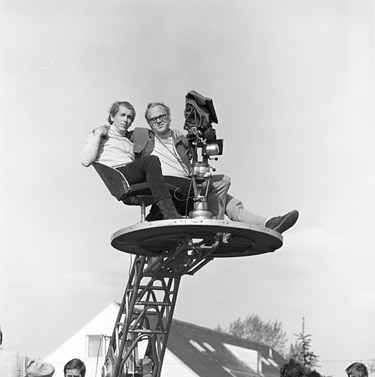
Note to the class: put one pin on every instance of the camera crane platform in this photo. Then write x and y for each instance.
(166, 250)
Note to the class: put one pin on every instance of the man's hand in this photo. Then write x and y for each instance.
(101, 131)
(177, 133)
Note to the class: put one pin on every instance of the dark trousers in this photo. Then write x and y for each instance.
(147, 169)
(185, 188)
(182, 196)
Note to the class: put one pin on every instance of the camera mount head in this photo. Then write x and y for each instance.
(199, 116)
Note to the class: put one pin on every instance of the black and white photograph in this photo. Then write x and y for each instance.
(187, 188)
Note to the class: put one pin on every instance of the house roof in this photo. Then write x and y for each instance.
(197, 350)
(211, 353)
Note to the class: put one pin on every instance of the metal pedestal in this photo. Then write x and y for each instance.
(165, 251)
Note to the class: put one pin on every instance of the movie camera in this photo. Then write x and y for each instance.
(199, 116)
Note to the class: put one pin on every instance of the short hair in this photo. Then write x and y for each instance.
(357, 370)
(115, 107)
(75, 364)
(154, 104)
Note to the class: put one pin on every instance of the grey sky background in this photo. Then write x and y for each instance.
(293, 87)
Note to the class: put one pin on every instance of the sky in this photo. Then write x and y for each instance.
(293, 87)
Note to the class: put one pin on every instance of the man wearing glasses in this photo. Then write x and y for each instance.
(173, 154)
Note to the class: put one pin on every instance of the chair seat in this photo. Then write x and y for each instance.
(140, 192)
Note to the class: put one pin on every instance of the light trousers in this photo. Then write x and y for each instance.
(221, 203)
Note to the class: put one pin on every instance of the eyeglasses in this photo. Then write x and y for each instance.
(160, 118)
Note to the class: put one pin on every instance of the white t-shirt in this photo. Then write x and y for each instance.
(171, 163)
(115, 151)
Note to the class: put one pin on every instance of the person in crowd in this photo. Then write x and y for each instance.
(19, 364)
(113, 147)
(75, 368)
(356, 370)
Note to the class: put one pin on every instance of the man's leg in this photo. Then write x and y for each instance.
(149, 169)
(183, 196)
(236, 212)
(217, 194)
(185, 188)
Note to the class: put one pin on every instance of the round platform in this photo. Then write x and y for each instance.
(240, 239)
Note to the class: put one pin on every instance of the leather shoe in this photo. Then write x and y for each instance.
(282, 223)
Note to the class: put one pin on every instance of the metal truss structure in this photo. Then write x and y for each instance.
(140, 335)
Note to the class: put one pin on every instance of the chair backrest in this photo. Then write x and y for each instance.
(134, 195)
(138, 194)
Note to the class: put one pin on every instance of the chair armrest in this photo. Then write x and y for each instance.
(115, 181)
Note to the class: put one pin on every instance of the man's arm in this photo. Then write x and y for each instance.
(91, 149)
